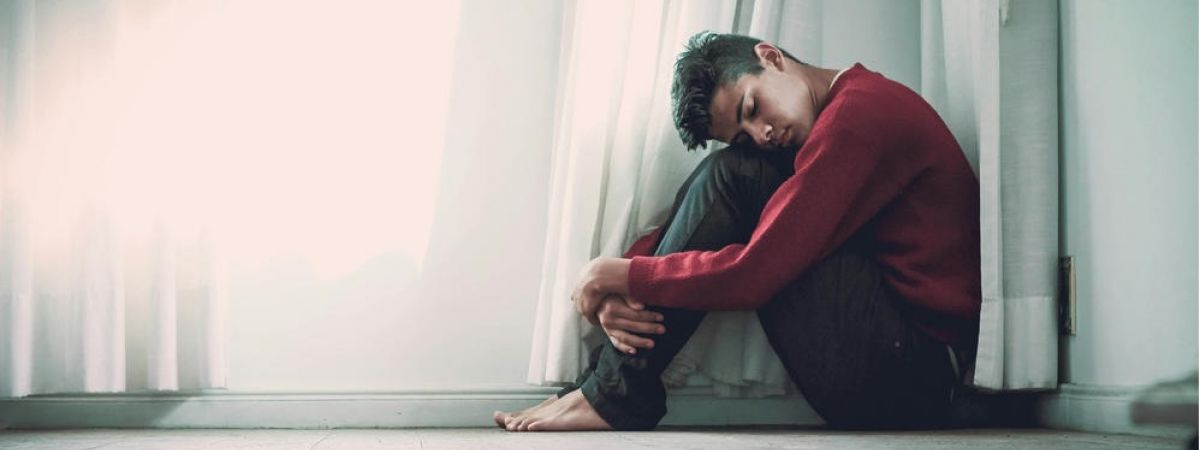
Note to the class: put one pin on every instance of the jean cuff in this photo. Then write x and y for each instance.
(609, 410)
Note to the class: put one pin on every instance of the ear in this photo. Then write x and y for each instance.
(769, 55)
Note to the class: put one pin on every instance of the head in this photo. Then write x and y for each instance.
(736, 88)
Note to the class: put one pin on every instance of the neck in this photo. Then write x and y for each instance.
(819, 81)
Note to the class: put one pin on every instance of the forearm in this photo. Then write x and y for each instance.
(609, 276)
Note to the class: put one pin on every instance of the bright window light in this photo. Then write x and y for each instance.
(288, 128)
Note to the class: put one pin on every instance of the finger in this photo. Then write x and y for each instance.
(614, 309)
(638, 327)
(624, 312)
(649, 316)
(581, 305)
(609, 304)
(631, 339)
(589, 306)
(608, 318)
(612, 297)
(636, 305)
(621, 347)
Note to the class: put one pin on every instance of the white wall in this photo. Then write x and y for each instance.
(884, 35)
(1129, 189)
(465, 318)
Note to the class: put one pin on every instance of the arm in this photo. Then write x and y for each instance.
(843, 178)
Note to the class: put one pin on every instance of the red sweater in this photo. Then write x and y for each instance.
(879, 166)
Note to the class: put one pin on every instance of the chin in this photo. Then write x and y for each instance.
(800, 139)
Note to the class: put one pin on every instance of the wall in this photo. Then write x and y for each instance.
(1129, 189)
(885, 36)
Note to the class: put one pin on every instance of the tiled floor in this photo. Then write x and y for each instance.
(466, 438)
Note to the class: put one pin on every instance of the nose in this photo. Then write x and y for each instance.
(761, 133)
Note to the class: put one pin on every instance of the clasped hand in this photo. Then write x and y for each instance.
(602, 297)
(622, 317)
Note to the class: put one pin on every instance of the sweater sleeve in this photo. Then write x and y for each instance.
(843, 178)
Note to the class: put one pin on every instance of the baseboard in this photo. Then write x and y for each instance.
(1101, 409)
(323, 410)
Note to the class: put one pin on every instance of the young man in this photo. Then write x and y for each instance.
(843, 211)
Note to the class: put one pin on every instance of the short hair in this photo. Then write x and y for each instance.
(708, 61)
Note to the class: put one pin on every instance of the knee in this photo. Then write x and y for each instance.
(731, 163)
(745, 170)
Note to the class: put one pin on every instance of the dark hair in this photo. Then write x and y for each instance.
(709, 61)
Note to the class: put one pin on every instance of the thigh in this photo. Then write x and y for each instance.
(846, 344)
(720, 202)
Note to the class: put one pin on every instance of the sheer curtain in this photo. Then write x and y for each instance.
(99, 290)
(990, 68)
(617, 164)
(618, 160)
(151, 148)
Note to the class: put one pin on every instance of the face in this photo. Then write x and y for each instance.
(774, 109)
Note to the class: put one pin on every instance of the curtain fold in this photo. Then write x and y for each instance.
(1021, 203)
(91, 299)
(990, 68)
(617, 164)
(150, 147)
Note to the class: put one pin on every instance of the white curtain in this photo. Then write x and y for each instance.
(990, 67)
(93, 296)
(618, 160)
(617, 164)
(152, 148)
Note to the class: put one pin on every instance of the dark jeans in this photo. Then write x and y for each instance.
(838, 329)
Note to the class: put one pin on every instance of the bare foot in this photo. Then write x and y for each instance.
(572, 412)
(500, 416)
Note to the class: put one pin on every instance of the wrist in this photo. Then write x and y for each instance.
(611, 275)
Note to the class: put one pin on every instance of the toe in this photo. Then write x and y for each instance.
(510, 423)
(524, 425)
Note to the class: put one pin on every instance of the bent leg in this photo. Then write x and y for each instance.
(844, 339)
(718, 205)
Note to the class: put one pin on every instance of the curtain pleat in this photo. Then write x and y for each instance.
(88, 303)
(990, 69)
(617, 165)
